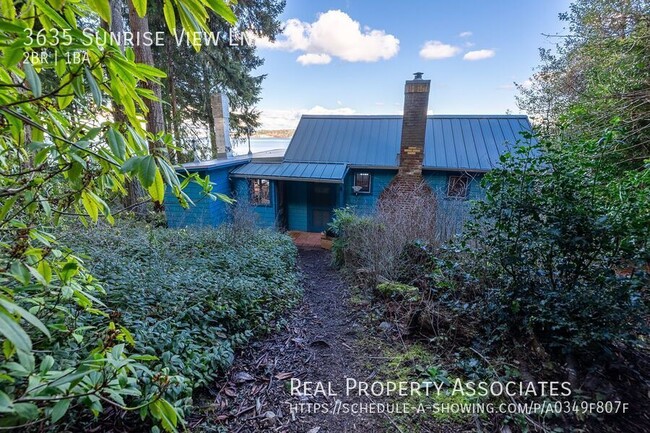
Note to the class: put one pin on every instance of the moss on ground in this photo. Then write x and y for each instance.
(391, 289)
(416, 363)
(413, 362)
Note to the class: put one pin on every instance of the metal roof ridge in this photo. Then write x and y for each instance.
(315, 162)
(268, 161)
(300, 162)
(477, 116)
(429, 116)
(296, 162)
(351, 116)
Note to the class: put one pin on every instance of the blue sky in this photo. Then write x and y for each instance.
(471, 50)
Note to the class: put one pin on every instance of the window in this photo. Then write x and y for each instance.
(260, 192)
(361, 183)
(458, 187)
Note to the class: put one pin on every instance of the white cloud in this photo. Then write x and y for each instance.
(288, 118)
(292, 38)
(322, 110)
(465, 34)
(435, 50)
(333, 34)
(479, 55)
(313, 59)
(279, 119)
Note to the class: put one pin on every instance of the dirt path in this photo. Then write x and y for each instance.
(321, 345)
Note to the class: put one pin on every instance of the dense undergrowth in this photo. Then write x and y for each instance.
(550, 280)
(189, 297)
(547, 283)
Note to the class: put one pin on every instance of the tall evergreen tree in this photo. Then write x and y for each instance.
(144, 54)
(135, 194)
(228, 67)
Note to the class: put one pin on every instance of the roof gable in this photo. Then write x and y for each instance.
(467, 142)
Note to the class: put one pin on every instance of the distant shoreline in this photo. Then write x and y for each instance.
(273, 133)
(261, 144)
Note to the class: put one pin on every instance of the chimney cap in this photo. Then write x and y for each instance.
(418, 75)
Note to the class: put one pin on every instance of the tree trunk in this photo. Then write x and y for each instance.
(173, 102)
(143, 54)
(134, 192)
(116, 27)
(207, 91)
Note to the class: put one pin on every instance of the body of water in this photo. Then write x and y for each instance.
(260, 145)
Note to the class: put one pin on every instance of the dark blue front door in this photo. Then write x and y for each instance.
(321, 199)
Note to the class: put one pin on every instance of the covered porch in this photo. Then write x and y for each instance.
(298, 197)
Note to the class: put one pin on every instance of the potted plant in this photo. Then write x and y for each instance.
(326, 239)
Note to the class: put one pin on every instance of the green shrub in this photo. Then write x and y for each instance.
(191, 296)
(349, 230)
(63, 351)
(553, 238)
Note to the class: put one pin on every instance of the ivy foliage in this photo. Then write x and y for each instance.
(190, 297)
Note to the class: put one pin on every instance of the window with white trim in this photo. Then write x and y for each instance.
(458, 187)
(362, 183)
(260, 192)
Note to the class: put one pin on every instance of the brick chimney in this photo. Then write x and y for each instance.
(221, 118)
(414, 126)
(409, 178)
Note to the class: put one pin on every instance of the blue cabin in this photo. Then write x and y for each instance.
(204, 211)
(336, 161)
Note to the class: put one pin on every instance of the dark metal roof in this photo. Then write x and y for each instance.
(453, 142)
(214, 163)
(311, 172)
(273, 155)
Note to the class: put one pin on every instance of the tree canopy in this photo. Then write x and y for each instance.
(62, 76)
(225, 66)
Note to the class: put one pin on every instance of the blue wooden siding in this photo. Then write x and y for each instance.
(438, 180)
(213, 213)
(266, 214)
(205, 211)
(364, 203)
(453, 212)
(380, 179)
